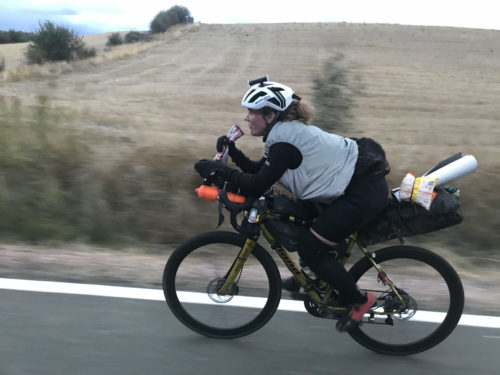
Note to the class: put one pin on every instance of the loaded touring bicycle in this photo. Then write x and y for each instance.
(225, 284)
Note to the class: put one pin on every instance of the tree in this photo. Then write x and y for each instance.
(55, 43)
(333, 95)
(136, 36)
(173, 16)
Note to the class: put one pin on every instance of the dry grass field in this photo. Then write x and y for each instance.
(424, 93)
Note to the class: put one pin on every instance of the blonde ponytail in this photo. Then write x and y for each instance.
(297, 110)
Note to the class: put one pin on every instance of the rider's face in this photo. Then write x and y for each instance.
(257, 122)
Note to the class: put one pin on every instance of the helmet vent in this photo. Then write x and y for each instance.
(257, 96)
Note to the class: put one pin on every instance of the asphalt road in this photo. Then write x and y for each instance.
(46, 333)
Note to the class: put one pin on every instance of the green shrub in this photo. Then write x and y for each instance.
(13, 36)
(55, 43)
(2, 64)
(136, 36)
(173, 16)
(4, 37)
(115, 39)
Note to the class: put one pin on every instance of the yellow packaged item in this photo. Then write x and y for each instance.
(422, 191)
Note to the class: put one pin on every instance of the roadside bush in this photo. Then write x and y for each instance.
(55, 43)
(2, 64)
(136, 36)
(40, 161)
(173, 16)
(13, 36)
(61, 182)
(4, 37)
(115, 39)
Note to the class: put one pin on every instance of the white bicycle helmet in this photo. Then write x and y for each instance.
(264, 93)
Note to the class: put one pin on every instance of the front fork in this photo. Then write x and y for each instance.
(237, 266)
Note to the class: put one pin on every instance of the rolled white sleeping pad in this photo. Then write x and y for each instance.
(455, 170)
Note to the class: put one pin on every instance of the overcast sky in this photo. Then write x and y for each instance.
(97, 16)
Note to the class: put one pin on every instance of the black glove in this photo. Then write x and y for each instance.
(209, 168)
(224, 141)
(206, 168)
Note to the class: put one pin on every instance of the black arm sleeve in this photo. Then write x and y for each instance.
(244, 163)
(282, 156)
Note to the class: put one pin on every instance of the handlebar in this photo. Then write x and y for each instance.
(231, 206)
(234, 203)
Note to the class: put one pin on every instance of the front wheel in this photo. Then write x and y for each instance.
(422, 311)
(197, 269)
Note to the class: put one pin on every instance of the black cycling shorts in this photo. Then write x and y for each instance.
(347, 214)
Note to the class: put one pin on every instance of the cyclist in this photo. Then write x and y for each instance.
(342, 176)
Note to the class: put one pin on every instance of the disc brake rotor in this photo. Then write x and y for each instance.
(410, 310)
(213, 288)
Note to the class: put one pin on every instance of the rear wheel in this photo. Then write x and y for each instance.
(196, 270)
(427, 310)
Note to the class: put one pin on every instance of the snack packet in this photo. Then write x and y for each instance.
(234, 133)
(423, 190)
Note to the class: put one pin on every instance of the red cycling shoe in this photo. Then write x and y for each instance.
(354, 315)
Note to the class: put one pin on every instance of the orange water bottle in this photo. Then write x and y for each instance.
(210, 193)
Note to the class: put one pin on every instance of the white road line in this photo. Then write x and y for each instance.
(239, 301)
(83, 289)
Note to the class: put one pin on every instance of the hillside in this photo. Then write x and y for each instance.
(425, 93)
(418, 82)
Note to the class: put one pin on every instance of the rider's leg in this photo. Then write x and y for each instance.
(316, 254)
(359, 204)
(350, 212)
(334, 250)
(347, 214)
(327, 268)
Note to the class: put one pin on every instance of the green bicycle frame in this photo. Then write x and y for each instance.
(323, 299)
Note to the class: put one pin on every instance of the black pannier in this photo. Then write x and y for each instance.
(407, 219)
